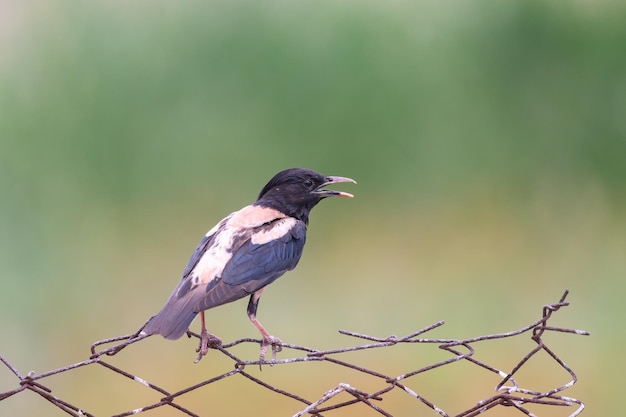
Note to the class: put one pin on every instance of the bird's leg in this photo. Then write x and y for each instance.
(268, 340)
(203, 348)
(206, 338)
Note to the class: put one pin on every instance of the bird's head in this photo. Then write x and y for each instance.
(296, 191)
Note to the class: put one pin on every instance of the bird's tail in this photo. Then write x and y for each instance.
(171, 322)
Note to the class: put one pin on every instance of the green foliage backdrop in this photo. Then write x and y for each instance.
(488, 139)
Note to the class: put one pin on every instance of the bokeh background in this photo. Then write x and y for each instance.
(488, 139)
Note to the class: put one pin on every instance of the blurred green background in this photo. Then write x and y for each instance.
(488, 139)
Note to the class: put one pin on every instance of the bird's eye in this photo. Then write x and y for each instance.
(308, 183)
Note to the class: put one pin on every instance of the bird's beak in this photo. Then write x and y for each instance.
(333, 193)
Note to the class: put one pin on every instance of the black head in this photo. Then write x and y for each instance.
(296, 191)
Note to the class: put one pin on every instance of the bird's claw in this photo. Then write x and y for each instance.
(276, 345)
(207, 340)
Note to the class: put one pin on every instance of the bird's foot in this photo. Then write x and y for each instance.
(207, 340)
(268, 341)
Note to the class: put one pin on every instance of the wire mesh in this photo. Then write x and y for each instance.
(508, 392)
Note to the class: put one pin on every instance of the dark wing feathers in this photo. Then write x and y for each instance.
(260, 262)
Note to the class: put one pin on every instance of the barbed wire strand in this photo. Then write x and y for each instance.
(508, 392)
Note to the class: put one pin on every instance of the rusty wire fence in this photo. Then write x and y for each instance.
(345, 396)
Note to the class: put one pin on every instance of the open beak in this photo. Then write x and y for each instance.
(333, 193)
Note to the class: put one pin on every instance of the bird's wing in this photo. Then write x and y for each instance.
(268, 253)
(264, 255)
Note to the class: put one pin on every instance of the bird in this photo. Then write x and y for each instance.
(244, 253)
